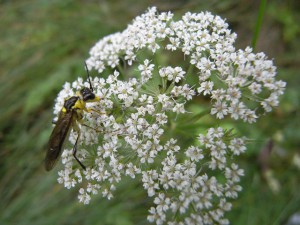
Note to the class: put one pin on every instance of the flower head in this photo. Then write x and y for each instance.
(136, 118)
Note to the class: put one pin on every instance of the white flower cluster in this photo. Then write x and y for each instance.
(134, 120)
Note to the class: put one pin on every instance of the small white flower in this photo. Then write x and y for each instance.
(249, 116)
(220, 108)
(171, 73)
(270, 102)
(237, 146)
(165, 101)
(234, 173)
(194, 153)
(146, 70)
(255, 88)
(206, 87)
(236, 110)
(218, 94)
(233, 95)
(179, 108)
(174, 44)
(149, 182)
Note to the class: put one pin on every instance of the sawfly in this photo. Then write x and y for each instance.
(69, 117)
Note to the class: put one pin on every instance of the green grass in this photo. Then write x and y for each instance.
(261, 13)
(44, 44)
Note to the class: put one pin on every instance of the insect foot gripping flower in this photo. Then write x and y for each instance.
(157, 79)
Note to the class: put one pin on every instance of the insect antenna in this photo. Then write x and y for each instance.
(89, 77)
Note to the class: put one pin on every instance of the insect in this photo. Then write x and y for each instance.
(70, 116)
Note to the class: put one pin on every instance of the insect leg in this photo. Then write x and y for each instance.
(95, 129)
(75, 151)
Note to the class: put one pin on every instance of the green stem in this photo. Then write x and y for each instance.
(122, 72)
(190, 70)
(198, 116)
(164, 84)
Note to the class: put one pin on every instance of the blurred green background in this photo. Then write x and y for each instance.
(44, 44)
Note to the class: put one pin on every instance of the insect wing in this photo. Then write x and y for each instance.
(57, 139)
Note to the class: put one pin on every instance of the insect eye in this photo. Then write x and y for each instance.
(87, 94)
(69, 103)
